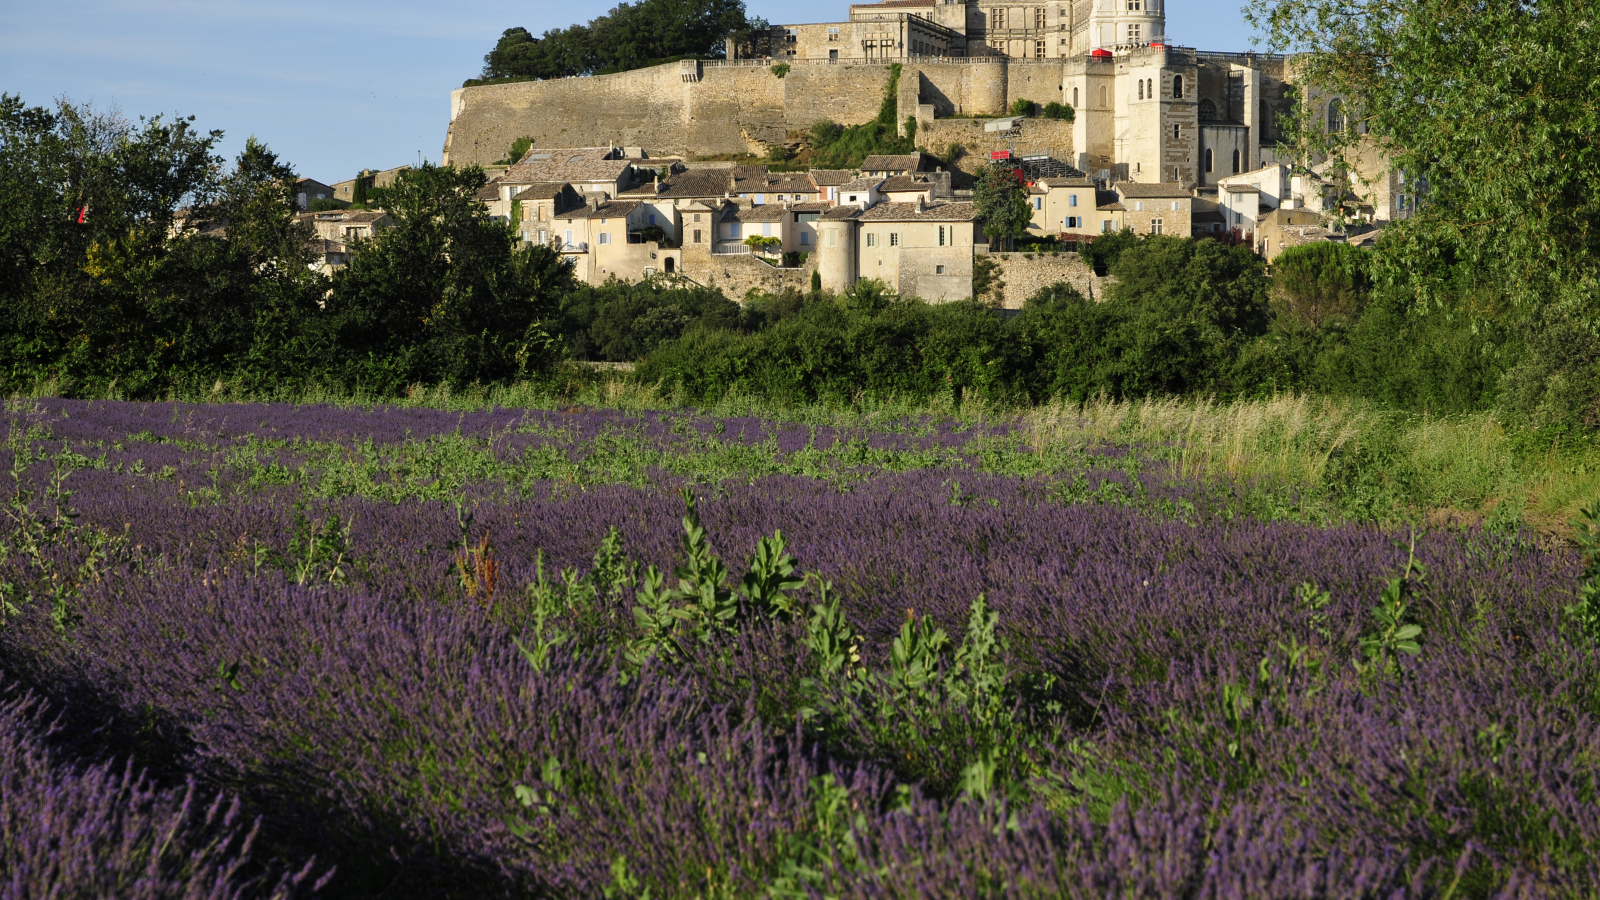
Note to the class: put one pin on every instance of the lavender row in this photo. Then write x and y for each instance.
(106, 830)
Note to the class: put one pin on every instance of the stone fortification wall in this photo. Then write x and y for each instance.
(1038, 136)
(736, 276)
(713, 108)
(1025, 274)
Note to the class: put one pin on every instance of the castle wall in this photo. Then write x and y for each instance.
(1026, 274)
(1051, 136)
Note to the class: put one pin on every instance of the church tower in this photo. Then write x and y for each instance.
(1118, 23)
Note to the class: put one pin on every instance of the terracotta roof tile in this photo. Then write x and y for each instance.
(1157, 191)
(933, 212)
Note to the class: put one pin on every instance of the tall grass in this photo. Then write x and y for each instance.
(1369, 461)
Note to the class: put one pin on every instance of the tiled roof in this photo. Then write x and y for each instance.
(1160, 190)
(892, 4)
(696, 183)
(1079, 181)
(866, 183)
(832, 177)
(1240, 188)
(544, 190)
(794, 182)
(933, 212)
(1208, 217)
(842, 212)
(770, 212)
(811, 207)
(905, 183)
(1107, 200)
(611, 209)
(573, 164)
(909, 162)
(346, 216)
(490, 191)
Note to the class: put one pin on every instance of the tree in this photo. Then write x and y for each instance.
(630, 36)
(1318, 284)
(446, 294)
(1484, 108)
(358, 191)
(1001, 198)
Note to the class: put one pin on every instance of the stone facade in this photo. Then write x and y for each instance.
(1026, 274)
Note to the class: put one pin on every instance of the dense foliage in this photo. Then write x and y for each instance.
(1487, 110)
(132, 260)
(477, 654)
(833, 146)
(631, 36)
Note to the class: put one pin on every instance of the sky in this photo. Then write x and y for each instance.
(338, 85)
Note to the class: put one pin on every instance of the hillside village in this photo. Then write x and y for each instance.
(1155, 139)
(624, 213)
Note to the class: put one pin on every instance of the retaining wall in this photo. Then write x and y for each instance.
(710, 108)
(1025, 274)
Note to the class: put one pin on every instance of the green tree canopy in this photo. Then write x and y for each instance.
(1489, 110)
(1002, 201)
(446, 294)
(631, 35)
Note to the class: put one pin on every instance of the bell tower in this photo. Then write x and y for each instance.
(1117, 23)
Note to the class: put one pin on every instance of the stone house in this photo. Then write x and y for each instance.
(740, 223)
(308, 189)
(1244, 198)
(919, 249)
(1156, 208)
(828, 182)
(861, 191)
(346, 225)
(906, 189)
(345, 190)
(537, 206)
(602, 240)
(1110, 216)
(1064, 206)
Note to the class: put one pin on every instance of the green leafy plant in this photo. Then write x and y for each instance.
(1394, 633)
(1584, 615)
(779, 70)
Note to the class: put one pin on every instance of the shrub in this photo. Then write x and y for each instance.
(1062, 111)
(1021, 107)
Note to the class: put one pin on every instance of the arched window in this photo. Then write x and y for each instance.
(1235, 162)
(1177, 88)
(1150, 88)
(1105, 96)
(1336, 121)
(1074, 98)
(1209, 160)
(1141, 90)
(1208, 111)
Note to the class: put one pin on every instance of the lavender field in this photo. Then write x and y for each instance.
(278, 651)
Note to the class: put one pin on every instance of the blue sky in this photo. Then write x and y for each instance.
(338, 85)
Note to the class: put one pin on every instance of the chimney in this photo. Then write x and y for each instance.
(594, 203)
(920, 207)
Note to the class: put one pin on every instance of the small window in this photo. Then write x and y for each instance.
(1038, 49)
(833, 238)
(1209, 160)
(697, 238)
(872, 239)
(942, 239)
(1174, 203)
(1236, 160)
(1336, 118)
(1072, 199)
(1177, 132)
(938, 270)
(1105, 226)
(697, 217)
(652, 218)
(1038, 203)
(1177, 88)
(894, 239)
(1138, 206)
(1155, 226)
(569, 239)
(805, 239)
(605, 237)
(1074, 98)
(1141, 89)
